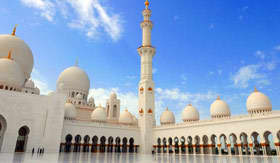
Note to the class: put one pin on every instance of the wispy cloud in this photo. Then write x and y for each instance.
(46, 7)
(89, 16)
(260, 54)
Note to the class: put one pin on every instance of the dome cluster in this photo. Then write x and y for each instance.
(257, 103)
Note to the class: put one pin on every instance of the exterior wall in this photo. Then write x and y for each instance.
(236, 125)
(84, 128)
(84, 113)
(43, 115)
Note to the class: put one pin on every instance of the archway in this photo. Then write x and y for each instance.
(190, 145)
(233, 144)
(223, 143)
(269, 143)
(158, 145)
(68, 143)
(197, 144)
(110, 144)
(131, 145)
(164, 141)
(214, 144)
(118, 145)
(94, 144)
(3, 127)
(86, 144)
(205, 144)
(257, 149)
(124, 145)
(244, 143)
(77, 144)
(183, 148)
(176, 141)
(170, 145)
(22, 139)
(102, 144)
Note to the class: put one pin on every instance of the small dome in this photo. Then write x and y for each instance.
(167, 117)
(37, 91)
(29, 84)
(258, 102)
(21, 52)
(113, 95)
(99, 114)
(51, 93)
(91, 100)
(126, 117)
(219, 109)
(70, 111)
(73, 78)
(11, 73)
(79, 96)
(190, 113)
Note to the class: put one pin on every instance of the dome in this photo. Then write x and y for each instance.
(190, 113)
(99, 114)
(70, 111)
(37, 90)
(91, 100)
(21, 52)
(79, 96)
(73, 78)
(11, 74)
(258, 102)
(29, 84)
(167, 117)
(219, 109)
(126, 117)
(113, 95)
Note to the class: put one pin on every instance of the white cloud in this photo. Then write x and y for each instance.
(46, 7)
(277, 47)
(260, 54)
(271, 66)
(40, 82)
(246, 74)
(88, 16)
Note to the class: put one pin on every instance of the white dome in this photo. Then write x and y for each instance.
(167, 117)
(70, 111)
(37, 90)
(91, 100)
(11, 73)
(29, 84)
(113, 95)
(20, 50)
(190, 113)
(219, 109)
(258, 102)
(73, 78)
(99, 114)
(79, 96)
(126, 117)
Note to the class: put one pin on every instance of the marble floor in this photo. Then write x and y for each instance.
(129, 158)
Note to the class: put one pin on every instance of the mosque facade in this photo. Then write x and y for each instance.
(67, 120)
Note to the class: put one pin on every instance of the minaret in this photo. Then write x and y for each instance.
(146, 101)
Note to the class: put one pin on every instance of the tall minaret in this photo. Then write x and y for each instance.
(146, 101)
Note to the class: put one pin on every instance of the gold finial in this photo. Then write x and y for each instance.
(9, 55)
(189, 104)
(166, 108)
(14, 30)
(218, 98)
(147, 4)
(255, 90)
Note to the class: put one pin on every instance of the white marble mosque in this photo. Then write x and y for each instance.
(68, 121)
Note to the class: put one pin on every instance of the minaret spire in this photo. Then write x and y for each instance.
(146, 98)
(14, 30)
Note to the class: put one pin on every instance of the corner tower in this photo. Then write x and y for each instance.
(146, 101)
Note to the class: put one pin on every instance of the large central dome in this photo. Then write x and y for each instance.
(21, 52)
(73, 78)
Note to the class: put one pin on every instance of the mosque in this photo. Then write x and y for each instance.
(67, 120)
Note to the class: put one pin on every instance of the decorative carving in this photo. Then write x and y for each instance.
(150, 89)
(141, 111)
(150, 111)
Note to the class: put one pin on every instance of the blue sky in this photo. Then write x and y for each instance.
(204, 48)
